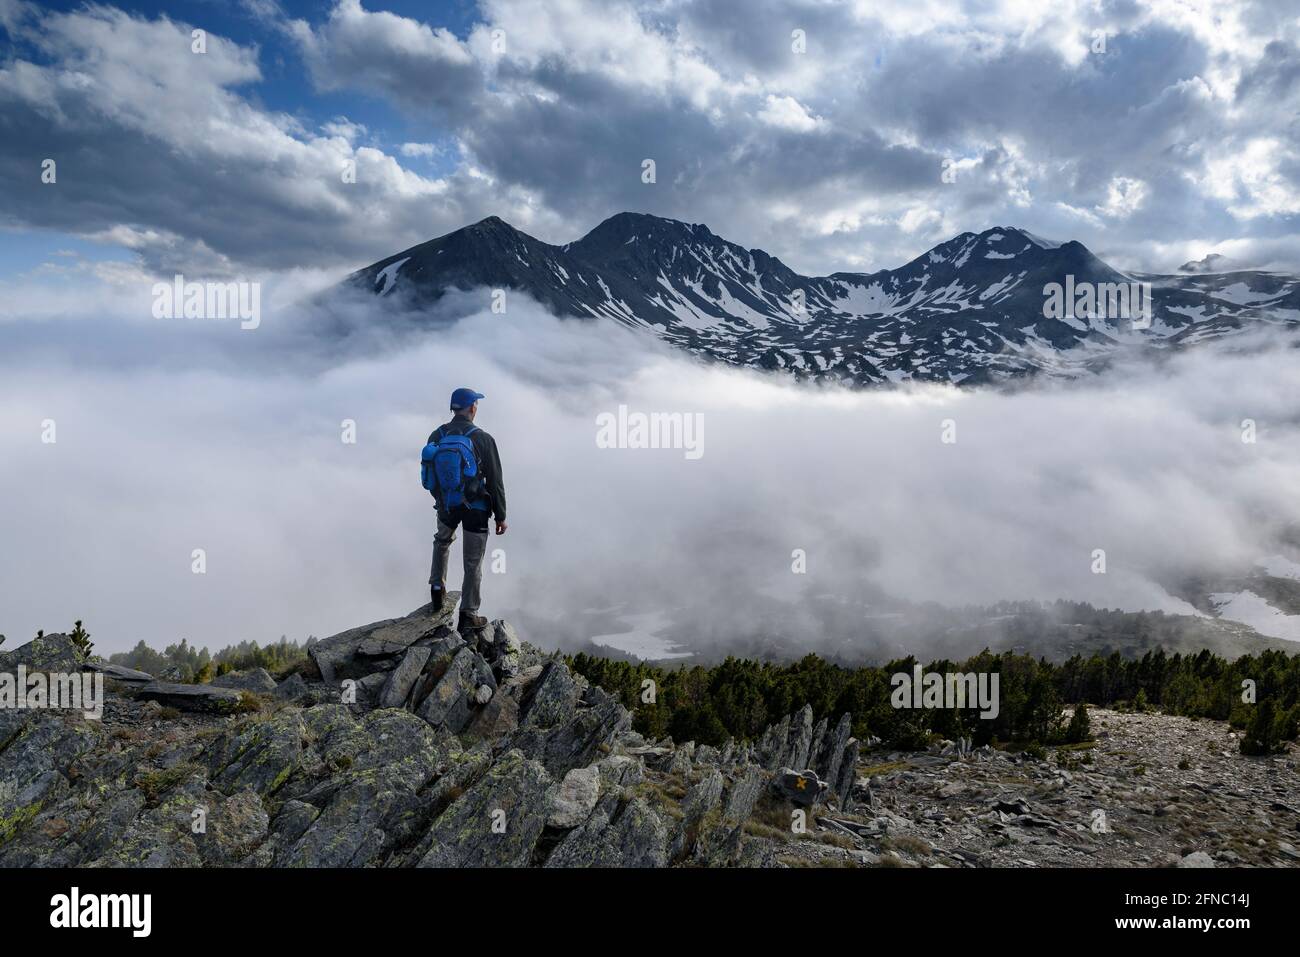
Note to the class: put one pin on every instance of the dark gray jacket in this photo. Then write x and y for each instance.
(489, 461)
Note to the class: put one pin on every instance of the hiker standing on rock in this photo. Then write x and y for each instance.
(461, 468)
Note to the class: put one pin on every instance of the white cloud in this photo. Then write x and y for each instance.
(424, 62)
(1124, 197)
(424, 150)
(1249, 180)
(785, 112)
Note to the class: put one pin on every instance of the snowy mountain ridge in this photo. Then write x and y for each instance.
(971, 310)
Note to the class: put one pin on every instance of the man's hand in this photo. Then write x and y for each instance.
(501, 528)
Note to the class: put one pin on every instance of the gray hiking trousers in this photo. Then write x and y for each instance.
(474, 548)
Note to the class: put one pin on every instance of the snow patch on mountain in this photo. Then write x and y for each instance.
(1250, 609)
(386, 281)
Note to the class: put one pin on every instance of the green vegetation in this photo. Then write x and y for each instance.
(739, 698)
(15, 822)
(278, 657)
(248, 703)
(81, 638)
(185, 663)
(1080, 728)
(154, 784)
(1268, 728)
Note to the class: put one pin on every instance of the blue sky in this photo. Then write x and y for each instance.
(285, 87)
(1153, 131)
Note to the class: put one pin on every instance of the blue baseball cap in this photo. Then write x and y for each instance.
(464, 398)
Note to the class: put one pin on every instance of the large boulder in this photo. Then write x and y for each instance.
(494, 720)
(817, 753)
(162, 835)
(743, 795)
(575, 798)
(39, 748)
(803, 788)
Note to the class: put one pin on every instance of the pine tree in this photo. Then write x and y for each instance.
(1259, 737)
(81, 638)
(1080, 728)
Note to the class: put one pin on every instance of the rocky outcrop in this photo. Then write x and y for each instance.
(255, 679)
(365, 650)
(400, 744)
(811, 760)
(46, 653)
(426, 750)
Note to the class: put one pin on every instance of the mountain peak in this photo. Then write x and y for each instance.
(1021, 233)
(626, 225)
(494, 225)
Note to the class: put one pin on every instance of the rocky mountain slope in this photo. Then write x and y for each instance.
(1154, 791)
(405, 744)
(970, 310)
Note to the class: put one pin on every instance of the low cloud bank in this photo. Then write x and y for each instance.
(173, 437)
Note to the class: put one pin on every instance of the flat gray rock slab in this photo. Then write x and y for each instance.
(190, 697)
(118, 673)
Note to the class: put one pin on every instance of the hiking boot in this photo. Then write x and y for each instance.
(438, 596)
(470, 622)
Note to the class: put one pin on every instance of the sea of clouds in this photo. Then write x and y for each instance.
(176, 435)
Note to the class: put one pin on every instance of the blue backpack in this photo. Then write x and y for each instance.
(449, 468)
